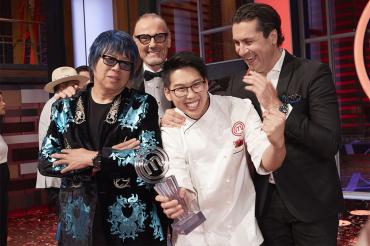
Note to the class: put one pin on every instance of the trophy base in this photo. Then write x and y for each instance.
(188, 224)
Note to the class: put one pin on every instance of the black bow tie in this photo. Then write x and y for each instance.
(150, 75)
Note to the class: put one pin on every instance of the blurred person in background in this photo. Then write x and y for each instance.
(84, 71)
(62, 77)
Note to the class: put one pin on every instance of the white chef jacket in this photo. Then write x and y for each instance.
(3, 151)
(41, 180)
(207, 156)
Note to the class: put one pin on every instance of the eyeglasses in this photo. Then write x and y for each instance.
(111, 61)
(183, 91)
(146, 38)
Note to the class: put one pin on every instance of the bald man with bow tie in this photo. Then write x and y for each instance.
(153, 40)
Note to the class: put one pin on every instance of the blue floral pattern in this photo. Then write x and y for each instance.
(127, 226)
(131, 118)
(64, 117)
(156, 225)
(148, 142)
(76, 218)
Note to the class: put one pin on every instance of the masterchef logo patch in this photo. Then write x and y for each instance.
(238, 128)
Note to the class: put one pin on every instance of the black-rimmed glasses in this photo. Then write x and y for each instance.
(146, 38)
(183, 91)
(111, 61)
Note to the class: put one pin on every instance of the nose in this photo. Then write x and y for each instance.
(242, 50)
(152, 42)
(116, 67)
(191, 93)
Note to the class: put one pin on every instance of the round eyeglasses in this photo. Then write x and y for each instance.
(146, 38)
(183, 91)
(111, 61)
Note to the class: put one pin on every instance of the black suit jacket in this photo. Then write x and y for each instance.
(308, 180)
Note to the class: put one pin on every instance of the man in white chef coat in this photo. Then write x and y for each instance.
(208, 158)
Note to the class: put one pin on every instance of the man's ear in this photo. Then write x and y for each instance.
(206, 84)
(169, 40)
(273, 37)
(167, 94)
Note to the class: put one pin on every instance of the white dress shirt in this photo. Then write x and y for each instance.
(155, 88)
(208, 157)
(3, 151)
(43, 181)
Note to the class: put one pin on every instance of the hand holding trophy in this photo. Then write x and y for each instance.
(152, 169)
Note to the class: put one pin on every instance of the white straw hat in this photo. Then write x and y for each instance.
(61, 75)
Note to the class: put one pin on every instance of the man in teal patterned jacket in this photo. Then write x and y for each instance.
(92, 143)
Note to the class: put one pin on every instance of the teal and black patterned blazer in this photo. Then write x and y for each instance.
(128, 212)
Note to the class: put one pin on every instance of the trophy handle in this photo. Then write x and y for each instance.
(187, 221)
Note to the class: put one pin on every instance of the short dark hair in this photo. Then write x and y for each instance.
(113, 41)
(82, 68)
(181, 60)
(267, 17)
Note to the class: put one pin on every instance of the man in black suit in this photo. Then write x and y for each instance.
(153, 40)
(299, 203)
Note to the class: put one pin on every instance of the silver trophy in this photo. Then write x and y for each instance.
(152, 169)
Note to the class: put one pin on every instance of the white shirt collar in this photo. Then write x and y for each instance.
(274, 73)
(146, 67)
(279, 63)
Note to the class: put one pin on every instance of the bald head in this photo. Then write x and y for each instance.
(153, 29)
(151, 16)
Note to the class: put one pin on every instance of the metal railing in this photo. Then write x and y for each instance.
(22, 42)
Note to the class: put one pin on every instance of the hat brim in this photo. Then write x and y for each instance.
(49, 87)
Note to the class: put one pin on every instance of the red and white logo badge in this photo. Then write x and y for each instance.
(238, 128)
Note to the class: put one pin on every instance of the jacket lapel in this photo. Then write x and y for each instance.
(286, 74)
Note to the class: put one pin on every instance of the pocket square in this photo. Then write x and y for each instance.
(290, 99)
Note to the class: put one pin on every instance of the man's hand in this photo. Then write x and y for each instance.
(171, 118)
(74, 159)
(273, 126)
(129, 144)
(262, 88)
(171, 208)
(66, 92)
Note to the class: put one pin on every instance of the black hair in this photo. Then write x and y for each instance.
(82, 68)
(267, 17)
(111, 42)
(181, 60)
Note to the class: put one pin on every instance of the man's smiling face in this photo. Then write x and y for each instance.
(153, 54)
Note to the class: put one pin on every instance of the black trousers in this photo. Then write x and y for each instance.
(4, 200)
(280, 227)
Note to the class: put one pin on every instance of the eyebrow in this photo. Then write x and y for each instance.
(192, 82)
